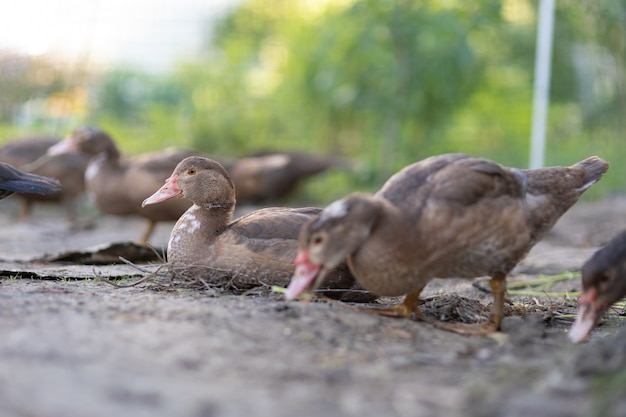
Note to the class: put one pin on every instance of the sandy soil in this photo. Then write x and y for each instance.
(77, 346)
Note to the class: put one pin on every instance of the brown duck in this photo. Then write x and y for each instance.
(255, 249)
(270, 177)
(29, 154)
(604, 284)
(447, 216)
(118, 185)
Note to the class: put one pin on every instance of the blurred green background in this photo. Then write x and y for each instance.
(382, 83)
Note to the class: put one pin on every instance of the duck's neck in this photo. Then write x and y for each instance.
(197, 228)
(112, 153)
(389, 244)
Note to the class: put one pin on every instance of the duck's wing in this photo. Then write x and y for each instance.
(272, 235)
(470, 180)
(275, 223)
(454, 181)
(267, 236)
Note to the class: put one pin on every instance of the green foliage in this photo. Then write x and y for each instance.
(384, 72)
(143, 112)
(129, 95)
(374, 80)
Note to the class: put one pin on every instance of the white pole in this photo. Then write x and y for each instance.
(543, 55)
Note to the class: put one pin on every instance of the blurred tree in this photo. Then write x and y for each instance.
(141, 111)
(126, 94)
(600, 59)
(383, 82)
(391, 72)
(341, 76)
(23, 78)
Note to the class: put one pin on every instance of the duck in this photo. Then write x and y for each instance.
(269, 177)
(447, 216)
(13, 180)
(603, 284)
(253, 250)
(117, 185)
(29, 154)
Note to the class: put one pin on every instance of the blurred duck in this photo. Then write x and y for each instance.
(12, 180)
(206, 242)
(447, 216)
(271, 177)
(117, 184)
(29, 154)
(604, 284)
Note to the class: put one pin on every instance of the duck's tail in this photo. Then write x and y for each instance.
(561, 181)
(593, 168)
(551, 191)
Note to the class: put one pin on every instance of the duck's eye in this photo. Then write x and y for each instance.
(191, 171)
(604, 280)
(318, 240)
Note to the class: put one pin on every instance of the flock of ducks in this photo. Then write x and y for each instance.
(447, 216)
(89, 160)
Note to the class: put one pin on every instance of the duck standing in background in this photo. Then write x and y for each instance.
(29, 154)
(255, 249)
(604, 284)
(118, 185)
(12, 180)
(447, 216)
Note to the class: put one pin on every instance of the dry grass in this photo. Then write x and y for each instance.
(543, 295)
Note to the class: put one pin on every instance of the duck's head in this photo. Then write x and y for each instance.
(202, 180)
(88, 140)
(604, 284)
(329, 239)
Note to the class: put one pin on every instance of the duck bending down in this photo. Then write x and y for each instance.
(255, 249)
(13, 180)
(604, 284)
(118, 185)
(447, 216)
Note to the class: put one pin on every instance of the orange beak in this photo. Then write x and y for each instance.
(169, 190)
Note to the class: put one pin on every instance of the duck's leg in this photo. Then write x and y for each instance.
(144, 239)
(402, 310)
(26, 210)
(498, 288)
(70, 210)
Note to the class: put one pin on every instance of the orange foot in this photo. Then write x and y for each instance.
(483, 329)
(403, 310)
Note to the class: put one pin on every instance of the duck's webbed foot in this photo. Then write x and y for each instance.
(403, 310)
(498, 287)
(481, 329)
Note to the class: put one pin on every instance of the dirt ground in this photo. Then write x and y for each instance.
(77, 346)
